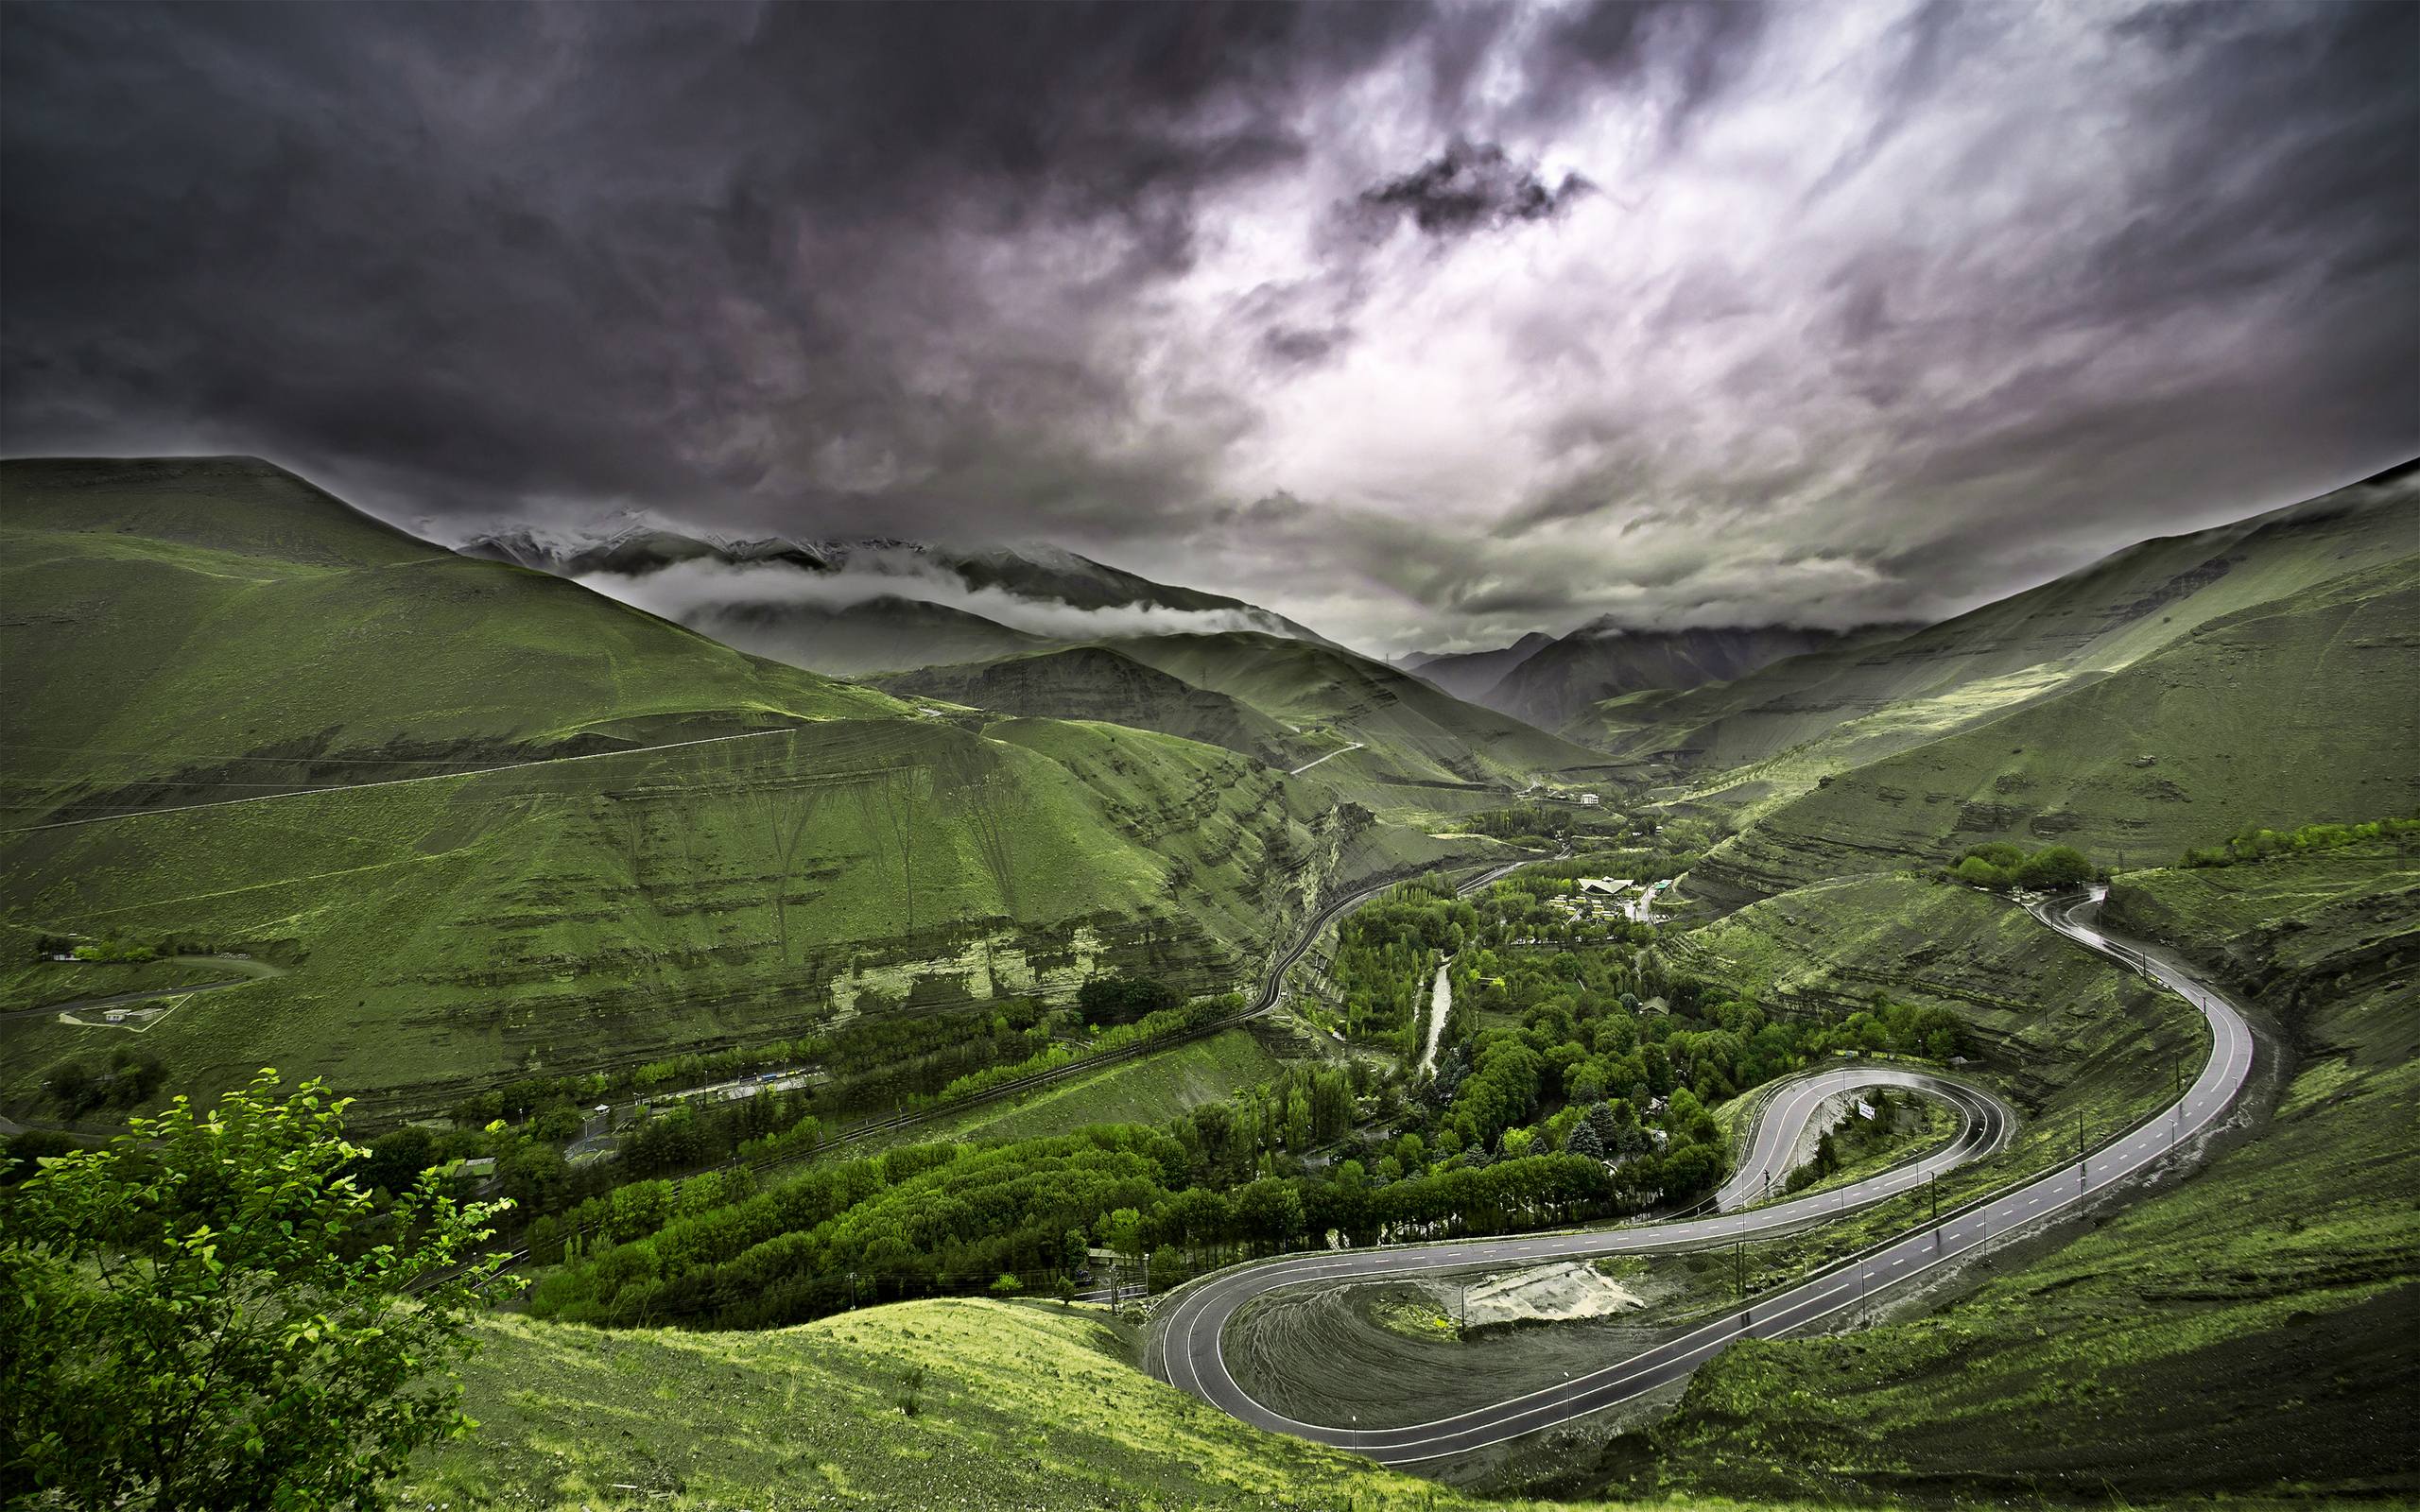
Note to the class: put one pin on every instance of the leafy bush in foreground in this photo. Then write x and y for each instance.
(210, 1313)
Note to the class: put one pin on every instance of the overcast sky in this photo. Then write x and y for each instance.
(1424, 326)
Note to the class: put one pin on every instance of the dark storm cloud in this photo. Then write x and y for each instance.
(1687, 50)
(1473, 185)
(1877, 308)
(491, 252)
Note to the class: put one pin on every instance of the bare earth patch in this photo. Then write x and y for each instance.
(1559, 1293)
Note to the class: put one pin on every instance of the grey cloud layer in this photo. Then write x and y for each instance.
(1418, 325)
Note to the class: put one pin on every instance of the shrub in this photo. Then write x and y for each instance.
(2055, 868)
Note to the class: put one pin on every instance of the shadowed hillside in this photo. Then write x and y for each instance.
(1559, 682)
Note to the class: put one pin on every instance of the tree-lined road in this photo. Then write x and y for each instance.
(1185, 1344)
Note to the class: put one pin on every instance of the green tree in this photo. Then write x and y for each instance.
(210, 1313)
(1976, 872)
(2053, 868)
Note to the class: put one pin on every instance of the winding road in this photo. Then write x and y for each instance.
(1984, 1124)
(1185, 1346)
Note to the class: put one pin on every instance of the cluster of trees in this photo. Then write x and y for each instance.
(882, 1060)
(2255, 844)
(1385, 953)
(1542, 824)
(1610, 1034)
(1109, 1000)
(2000, 865)
(532, 1173)
(113, 950)
(1053, 1053)
(934, 1218)
(129, 1078)
(1577, 1086)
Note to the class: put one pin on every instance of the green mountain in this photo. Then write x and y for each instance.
(1094, 682)
(2298, 708)
(1781, 728)
(1468, 675)
(199, 628)
(481, 822)
(1558, 683)
(876, 635)
(1382, 735)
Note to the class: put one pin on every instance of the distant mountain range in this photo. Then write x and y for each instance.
(848, 607)
(1550, 680)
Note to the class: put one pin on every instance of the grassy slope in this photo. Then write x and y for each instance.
(2055, 1027)
(1021, 1406)
(1148, 1090)
(179, 624)
(182, 621)
(2298, 708)
(486, 926)
(1411, 732)
(2245, 1332)
(1094, 682)
(1778, 731)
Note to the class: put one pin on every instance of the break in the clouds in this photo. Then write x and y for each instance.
(1424, 325)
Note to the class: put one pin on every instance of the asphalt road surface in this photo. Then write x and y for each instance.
(1185, 1346)
(1985, 1123)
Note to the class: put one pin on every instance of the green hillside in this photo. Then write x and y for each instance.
(961, 1404)
(737, 852)
(2302, 707)
(188, 630)
(2056, 1029)
(1094, 682)
(1412, 735)
(1780, 729)
(875, 636)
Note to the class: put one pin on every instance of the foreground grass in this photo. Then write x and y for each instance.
(1015, 1406)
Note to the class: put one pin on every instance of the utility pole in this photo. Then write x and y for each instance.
(1932, 1184)
(1739, 1270)
(2079, 1170)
